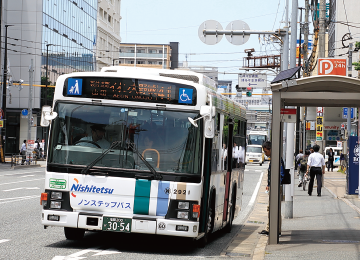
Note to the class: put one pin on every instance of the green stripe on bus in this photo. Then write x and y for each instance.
(142, 197)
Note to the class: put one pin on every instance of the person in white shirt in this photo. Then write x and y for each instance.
(316, 166)
(235, 156)
(96, 139)
(224, 157)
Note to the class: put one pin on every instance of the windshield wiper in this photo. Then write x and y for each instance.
(90, 165)
(157, 176)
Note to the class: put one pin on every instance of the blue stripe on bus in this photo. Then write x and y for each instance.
(163, 198)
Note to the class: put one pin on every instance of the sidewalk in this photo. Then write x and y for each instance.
(7, 164)
(325, 227)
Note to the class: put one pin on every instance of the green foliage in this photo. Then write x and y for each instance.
(357, 65)
(357, 45)
(50, 92)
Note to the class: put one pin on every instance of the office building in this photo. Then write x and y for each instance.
(159, 56)
(62, 33)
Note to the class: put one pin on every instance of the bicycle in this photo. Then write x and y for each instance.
(306, 179)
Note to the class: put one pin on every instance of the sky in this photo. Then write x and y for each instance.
(161, 22)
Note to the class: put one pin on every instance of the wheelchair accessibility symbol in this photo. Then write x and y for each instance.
(185, 95)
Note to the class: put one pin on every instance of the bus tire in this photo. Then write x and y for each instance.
(260, 164)
(74, 233)
(229, 225)
(202, 242)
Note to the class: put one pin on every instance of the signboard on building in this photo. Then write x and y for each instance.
(331, 66)
(254, 80)
(319, 128)
(2, 124)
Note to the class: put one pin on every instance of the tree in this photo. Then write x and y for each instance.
(357, 64)
(50, 95)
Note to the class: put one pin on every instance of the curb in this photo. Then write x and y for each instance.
(248, 242)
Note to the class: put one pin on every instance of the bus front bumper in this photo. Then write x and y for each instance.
(139, 224)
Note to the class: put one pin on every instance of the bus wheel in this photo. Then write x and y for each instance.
(228, 227)
(208, 228)
(74, 233)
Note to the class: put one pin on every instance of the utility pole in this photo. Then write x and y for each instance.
(306, 33)
(322, 27)
(289, 163)
(31, 80)
(3, 140)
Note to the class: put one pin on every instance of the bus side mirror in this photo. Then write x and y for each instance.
(47, 115)
(208, 113)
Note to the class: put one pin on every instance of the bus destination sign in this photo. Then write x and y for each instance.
(128, 89)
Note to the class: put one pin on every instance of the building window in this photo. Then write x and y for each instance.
(160, 51)
(160, 62)
(140, 62)
(140, 51)
(109, 19)
(105, 15)
(101, 12)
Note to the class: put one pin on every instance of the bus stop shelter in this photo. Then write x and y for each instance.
(316, 91)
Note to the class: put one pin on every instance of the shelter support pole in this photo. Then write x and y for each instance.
(289, 165)
(275, 170)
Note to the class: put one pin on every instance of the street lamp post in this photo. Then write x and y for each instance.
(4, 92)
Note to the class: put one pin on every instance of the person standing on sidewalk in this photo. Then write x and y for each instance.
(330, 163)
(316, 166)
(267, 150)
(23, 152)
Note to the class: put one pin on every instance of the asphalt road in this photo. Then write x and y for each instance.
(23, 237)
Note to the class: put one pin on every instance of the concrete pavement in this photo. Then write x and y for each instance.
(325, 227)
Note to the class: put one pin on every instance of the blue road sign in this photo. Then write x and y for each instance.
(345, 113)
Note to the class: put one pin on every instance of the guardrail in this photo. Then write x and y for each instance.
(20, 159)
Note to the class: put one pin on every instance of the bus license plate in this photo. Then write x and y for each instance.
(250, 160)
(116, 224)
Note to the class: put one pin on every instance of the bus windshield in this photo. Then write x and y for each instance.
(253, 149)
(165, 139)
(257, 139)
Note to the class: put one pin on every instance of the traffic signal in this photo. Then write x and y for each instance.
(249, 91)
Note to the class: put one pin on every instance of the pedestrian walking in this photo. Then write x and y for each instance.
(316, 167)
(23, 152)
(297, 160)
(342, 161)
(303, 167)
(330, 162)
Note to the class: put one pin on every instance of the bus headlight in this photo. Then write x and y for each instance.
(183, 214)
(55, 204)
(183, 205)
(56, 195)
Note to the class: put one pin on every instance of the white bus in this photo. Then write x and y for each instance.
(257, 137)
(140, 151)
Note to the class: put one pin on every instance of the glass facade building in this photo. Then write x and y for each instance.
(69, 30)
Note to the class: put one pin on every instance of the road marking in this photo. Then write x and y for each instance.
(8, 200)
(19, 173)
(78, 255)
(21, 181)
(4, 240)
(251, 202)
(26, 188)
(26, 176)
(246, 170)
(108, 252)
